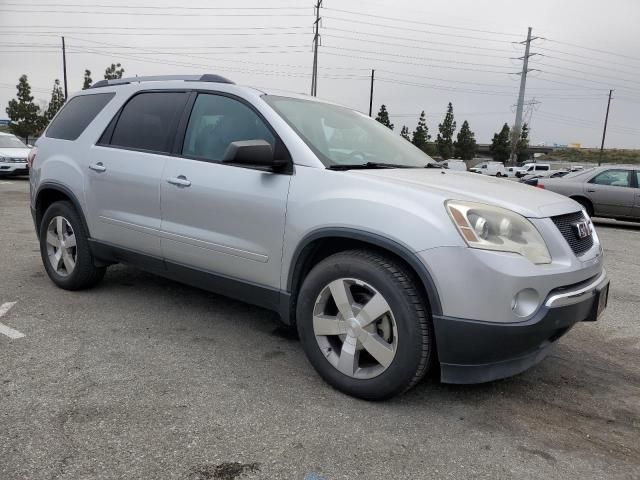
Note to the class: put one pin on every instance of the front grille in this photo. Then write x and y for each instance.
(566, 225)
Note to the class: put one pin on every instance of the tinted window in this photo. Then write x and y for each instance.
(542, 167)
(637, 178)
(76, 115)
(216, 121)
(613, 178)
(147, 121)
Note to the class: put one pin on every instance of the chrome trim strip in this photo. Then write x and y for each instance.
(576, 296)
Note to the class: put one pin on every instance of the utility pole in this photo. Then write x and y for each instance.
(604, 131)
(371, 93)
(517, 127)
(64, 68)
(316, 41)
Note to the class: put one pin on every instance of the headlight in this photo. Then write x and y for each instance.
(494, 228)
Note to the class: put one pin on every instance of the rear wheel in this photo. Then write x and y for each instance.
(65, 250)
(364, 325)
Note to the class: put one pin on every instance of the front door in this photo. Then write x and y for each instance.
(123, 184)
(611, 193)
(219, 218)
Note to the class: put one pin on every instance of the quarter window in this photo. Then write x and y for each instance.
(147, 121)
(613, 178)
(76, 115)
(216, 121)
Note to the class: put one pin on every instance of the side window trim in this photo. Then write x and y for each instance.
(110, 129)
(280, 146)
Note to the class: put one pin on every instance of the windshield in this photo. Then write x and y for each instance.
(340, 136)
(7, 141)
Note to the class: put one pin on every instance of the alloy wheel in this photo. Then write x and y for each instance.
(61, 246)
(355, 328)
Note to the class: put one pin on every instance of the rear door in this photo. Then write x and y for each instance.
(220, 218)
(123, 185)
(636, 205)
(611, 192)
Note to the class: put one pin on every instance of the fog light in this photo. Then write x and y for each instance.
(525, 302)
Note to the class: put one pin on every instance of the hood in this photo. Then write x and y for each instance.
(526, 200)
(14, 152)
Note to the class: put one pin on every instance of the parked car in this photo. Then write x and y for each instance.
(459, 165)
(321, 214)
(490, 168)
(13, 155)
(532, 179)
(609, 191)
(529, 168)
(513, 171)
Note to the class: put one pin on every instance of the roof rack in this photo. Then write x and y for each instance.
(207, 77)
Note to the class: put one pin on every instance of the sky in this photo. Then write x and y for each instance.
(425, 54)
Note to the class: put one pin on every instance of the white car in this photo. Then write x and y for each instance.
(460, 165)
(513, 171)
(531, 168)
(490, 168)
(13, 155)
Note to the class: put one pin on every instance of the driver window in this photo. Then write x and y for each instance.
(612, 178)
(216, 121)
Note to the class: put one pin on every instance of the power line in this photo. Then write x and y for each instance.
(607, 52)
(417, 22)
(145, 14)
(151, 7)
(411, 57)
(420, 40)
(406, 29)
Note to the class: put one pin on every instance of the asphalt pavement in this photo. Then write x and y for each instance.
(144, 378)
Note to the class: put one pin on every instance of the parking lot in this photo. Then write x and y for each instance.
(142, 377)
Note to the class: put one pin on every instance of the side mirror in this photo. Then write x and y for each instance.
(256, 154)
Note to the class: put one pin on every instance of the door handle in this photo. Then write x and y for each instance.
(590, 191)
(98, 167)
(180, 181)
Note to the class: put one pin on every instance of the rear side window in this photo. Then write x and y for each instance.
(613, 178)
(147, 121)
(544, 168)
(76, 115)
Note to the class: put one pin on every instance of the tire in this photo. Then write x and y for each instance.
(405, 329)
(586, 203)
(80, 272)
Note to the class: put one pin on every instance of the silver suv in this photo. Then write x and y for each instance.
(386, 268)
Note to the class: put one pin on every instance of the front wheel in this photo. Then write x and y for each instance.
(364, 325)
(65, 249)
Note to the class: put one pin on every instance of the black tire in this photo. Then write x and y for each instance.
(586, 203)
(85, 274)
(416, 348)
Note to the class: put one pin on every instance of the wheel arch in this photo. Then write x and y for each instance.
(582, 200)
(50, 192)
(320, 244)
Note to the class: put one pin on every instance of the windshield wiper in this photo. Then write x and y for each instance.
(350, 166)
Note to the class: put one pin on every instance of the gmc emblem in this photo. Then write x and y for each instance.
(582, 229)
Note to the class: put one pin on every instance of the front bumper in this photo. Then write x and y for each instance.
(473, 351)
(13, 169)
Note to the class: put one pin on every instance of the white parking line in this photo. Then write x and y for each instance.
(6, 183)
(8, 331)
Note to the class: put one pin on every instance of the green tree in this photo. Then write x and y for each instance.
(404, 133)
(522, 147)
(87, 79)
(383, 117)
(501, 144)
(25, 117)
(113, 72)
(444, 140)
(56, 102)
(420, 135)
(465, 145)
